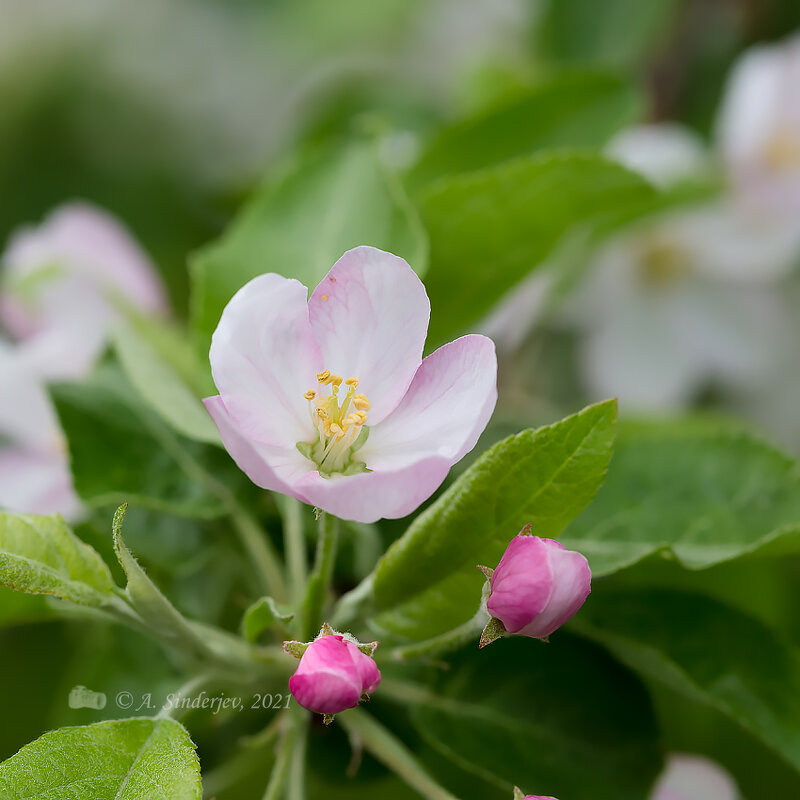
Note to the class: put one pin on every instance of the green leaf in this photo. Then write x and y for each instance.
(162, 388)
(491, 228)
(707, 651)
(41, 555)
(571, 31)
(329, 202)
(427, 583)
(132, 759)
(569, 110)
(525, 713)
(261, 616)
(701, 492)
(122, 452)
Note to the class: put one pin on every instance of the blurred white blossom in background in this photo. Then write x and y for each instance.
(688, 777)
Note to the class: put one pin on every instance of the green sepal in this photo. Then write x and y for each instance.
(493, 631)
(306, 448)
(355, 468)
(368, 648)
(296, 649)
(487, 571)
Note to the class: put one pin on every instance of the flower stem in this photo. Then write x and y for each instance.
(294, 544)
(297, 769)
(280, 772)
(350, 604)
(389, 750)
(445, 642)
(260, 551)
(320, 580)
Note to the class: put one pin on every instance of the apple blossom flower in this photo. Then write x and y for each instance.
(689, 777)
(758, 127)
(34, 470)
(683, 299)
(62, 284)
(328, 400)
(537, 586)
(334, 674)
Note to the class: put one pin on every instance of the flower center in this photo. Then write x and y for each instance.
(782, 151)
(339, 417)
(662, 264)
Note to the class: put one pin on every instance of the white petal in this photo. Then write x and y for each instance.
(264, 357)
(370, 316)
(447, 406)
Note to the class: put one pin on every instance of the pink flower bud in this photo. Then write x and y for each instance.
(332, 675)
(537, 586)
(519, 796)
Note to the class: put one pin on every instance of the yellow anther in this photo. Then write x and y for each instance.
(323, 376)
(310, 394)
(362, 417)
(353, 419)
(322, 413)
(336, 430)
(361, 402)
(352, 381)
(336, 380)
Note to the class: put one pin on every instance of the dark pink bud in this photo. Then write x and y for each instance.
(537, 586)
(519, 796)
(332, 675)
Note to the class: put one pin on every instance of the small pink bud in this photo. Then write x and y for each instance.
(519, 796)
(332, 675)
(537, 586)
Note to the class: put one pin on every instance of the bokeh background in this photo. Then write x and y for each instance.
(170, 113)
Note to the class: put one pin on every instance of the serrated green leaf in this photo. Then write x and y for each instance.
(162, 388)
(707, 651)
(133, 759)
(699, 491)
(427, 583)
(331, 201)
(568, 110)
(41, 555)
(523, 712)
(489, 229)
(121, 452)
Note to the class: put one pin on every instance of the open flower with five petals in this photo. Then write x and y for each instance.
(329, 400)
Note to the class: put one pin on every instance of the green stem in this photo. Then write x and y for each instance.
(173, 709)
(445, 642)
(260, 550)
(320, 580)
(280, 772)
(384, 746)
(350, 605)
(294, 544)
(297, 770)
